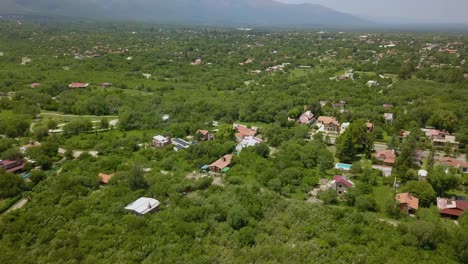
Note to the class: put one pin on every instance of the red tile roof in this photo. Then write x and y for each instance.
(450, 211)
(449, 161)
(105, 178)
(203, 132)
(78, 85)
(222, 162)
(407, 198)
(387, 156)
(244, 131)
(343, 180)
(328, 120)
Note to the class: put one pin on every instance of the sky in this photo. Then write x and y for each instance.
(435, 11)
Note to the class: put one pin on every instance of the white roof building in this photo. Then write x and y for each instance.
(161, 139)
(248, 141)
(143, 205)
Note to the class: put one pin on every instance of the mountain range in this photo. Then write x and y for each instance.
(215, 12)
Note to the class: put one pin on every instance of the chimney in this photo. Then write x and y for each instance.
(224, 159)
(149, 205)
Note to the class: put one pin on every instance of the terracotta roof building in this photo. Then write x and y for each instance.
(451, 208)
(449, 161)
(243, 131)
(330, 124)
(105, 178)
(408, 203)
(221, 164)
(388, 157)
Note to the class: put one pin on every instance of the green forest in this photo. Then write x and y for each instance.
(138, 81)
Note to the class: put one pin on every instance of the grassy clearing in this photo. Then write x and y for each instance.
(383, 194)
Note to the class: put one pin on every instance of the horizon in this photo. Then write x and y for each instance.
(398, 11)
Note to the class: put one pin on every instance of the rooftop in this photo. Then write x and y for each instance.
(143, 205)
(407, 198)
(222, 162)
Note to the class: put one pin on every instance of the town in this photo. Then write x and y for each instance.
(154, 138)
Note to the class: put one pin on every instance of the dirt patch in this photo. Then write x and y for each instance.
(196, 175)
(218, 181)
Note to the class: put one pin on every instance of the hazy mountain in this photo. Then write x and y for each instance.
(263, 12)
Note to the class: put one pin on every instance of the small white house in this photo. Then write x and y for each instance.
(143, 205)
(160, 141)
(248, 141)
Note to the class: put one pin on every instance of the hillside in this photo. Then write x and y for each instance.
(258, 12)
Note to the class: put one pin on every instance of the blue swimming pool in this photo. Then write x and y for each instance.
(343, 166)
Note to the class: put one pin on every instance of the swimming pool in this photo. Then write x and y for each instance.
(343, 166)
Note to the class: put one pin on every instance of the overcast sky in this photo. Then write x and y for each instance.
(437, 11)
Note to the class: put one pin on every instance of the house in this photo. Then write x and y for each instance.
(342, 184)
(453, 162)
(105, 178)
(451, 208)
(160, 141)
(243, 131)
(248, 142)
(78, 85)
(306, 118)
(408, 203)
(143, 206)
(106, 85)
(179, 144)
(448, 139)
(388, 118)
(387, 157)
(440, 138)
(370, 127)
(13, 166)
(221, 165)
(329, 124)
(205, 135)
(35, 85)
